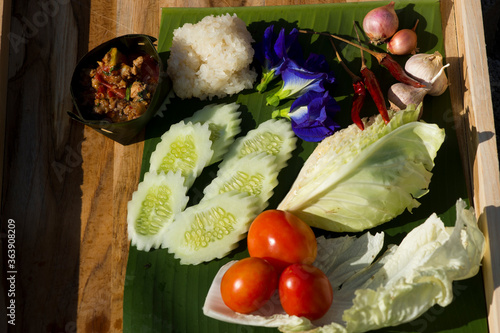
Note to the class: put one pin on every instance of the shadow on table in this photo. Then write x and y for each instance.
(41, 190)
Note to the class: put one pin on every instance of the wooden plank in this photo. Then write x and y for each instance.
(454, 50)
(104, 248)
(138, 17)
(96, 260)
(97, 223)
(41, 183)
(127, 159)
(211, 3)
(481, 148)
(127, 171)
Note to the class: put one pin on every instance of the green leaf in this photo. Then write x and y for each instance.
(163, 296)
(127, 93)
(356, 180)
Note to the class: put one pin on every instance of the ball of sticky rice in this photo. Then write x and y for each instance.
(211, 58)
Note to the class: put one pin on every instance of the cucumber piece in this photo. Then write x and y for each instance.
(153, 206)
(224, 123)
(254, 174)
(185, 147)
(274, 136)
(210, 229)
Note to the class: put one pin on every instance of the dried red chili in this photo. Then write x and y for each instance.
(359, 96)
(358, 100)
(383, 58)
(117, 91)
(397, 71)
(373, 88)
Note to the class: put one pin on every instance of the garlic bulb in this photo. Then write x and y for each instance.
(424, 67)
(400, 95)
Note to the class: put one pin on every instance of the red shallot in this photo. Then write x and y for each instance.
(381, 23)
(403, 42)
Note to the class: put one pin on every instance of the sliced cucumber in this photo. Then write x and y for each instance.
(254, 174)
(275, 137)
(224, 123)
(185, 147)
(210, 229)
(153, 206)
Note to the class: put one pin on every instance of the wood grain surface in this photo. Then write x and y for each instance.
(66, 187)
(481, 145)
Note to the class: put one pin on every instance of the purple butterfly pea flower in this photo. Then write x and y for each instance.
(314, 75)
(273, 52)
(312, 114)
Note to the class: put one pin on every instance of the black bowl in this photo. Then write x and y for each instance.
(123, 132)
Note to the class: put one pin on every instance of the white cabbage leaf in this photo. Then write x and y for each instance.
(399, 286)
(355, 180)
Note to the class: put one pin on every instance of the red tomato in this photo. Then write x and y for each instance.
(248, 284)
(305, 291)
(282, 239)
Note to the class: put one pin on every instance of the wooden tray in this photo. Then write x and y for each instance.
(473, 113)
(67, 187)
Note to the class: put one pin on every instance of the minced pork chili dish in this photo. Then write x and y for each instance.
(122, 86)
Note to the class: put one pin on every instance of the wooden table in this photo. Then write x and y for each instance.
(65, 187)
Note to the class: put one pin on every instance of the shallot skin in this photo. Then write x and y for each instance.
(381, 23)
(403, 42)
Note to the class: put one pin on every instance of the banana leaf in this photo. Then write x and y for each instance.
(163, 296)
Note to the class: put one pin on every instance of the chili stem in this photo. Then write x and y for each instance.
(377, 55)
(351, 74)
(383, 58)
(372, 85)
(358, 98)
(359, 42)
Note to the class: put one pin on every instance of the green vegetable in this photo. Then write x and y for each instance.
(210, 229)
(356, 180)
(153, 207)
(255, 175)
(274, 137)
(407, 280)
(224, 124)
(243, 185)
(417, 274)
(127, 93)
(116, 57)
(184, 147)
